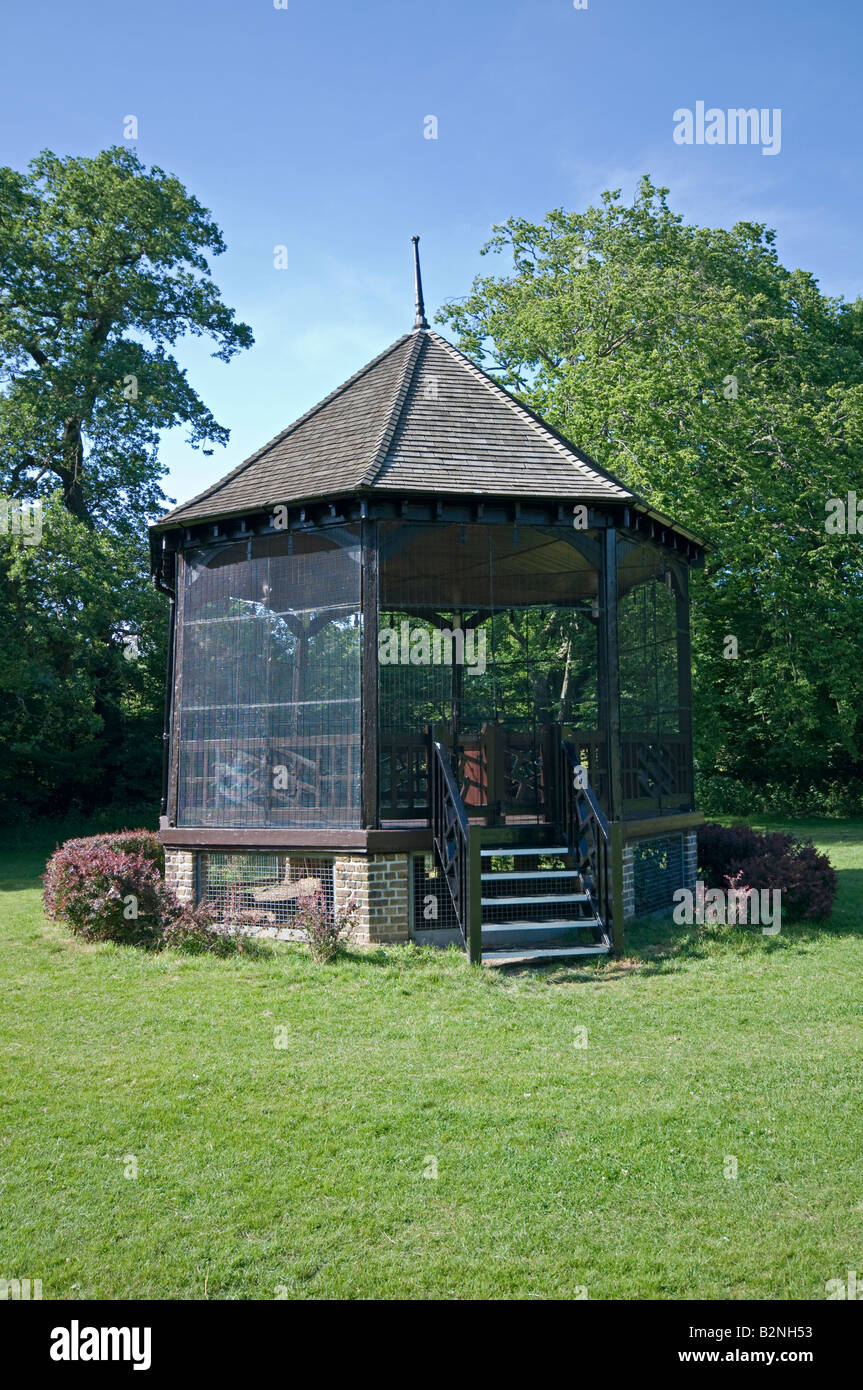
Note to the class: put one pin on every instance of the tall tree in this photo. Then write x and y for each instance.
(729, 391)
(103, 268)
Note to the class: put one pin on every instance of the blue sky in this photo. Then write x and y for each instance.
(304, 127)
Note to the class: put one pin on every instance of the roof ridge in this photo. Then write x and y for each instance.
(283, 434)
(547, 432)
(390, 425)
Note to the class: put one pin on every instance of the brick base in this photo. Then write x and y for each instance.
(690, 860)
(379, 883)
(180, 873)
(628, 882)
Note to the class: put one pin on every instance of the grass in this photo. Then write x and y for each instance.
(305, 1170)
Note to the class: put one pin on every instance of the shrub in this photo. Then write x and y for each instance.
(327, 932)
(107, 893)
(776, 860)
(144, 842)
(723, 794)
(193, 931)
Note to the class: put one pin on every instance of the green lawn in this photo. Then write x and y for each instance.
(300, 1170)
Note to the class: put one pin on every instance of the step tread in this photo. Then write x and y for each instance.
(508, 851)
(509, 874)
(553, 926)
(517, 957)
(542, 898)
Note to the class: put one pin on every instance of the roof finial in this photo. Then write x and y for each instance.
(420, 321)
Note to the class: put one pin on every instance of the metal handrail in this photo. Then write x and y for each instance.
(452, 842)
(587, 833)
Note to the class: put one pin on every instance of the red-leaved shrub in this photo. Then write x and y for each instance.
(806, 878)
(109, 888)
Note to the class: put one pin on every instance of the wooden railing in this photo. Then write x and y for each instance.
(457, 857)
(656, 772)
(506, 772)
(587, 833)
(265, 782)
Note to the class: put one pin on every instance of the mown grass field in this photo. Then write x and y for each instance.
(306, 1170)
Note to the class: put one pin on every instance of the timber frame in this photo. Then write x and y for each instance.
(520, 475)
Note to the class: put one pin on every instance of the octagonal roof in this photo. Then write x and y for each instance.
(418, 418)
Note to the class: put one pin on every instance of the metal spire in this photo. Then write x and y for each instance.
(420, 320)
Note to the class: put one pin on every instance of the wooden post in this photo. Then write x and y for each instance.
(492, 744)
(370, 675)
(609, 674)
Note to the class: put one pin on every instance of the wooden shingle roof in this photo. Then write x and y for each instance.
(420, 417)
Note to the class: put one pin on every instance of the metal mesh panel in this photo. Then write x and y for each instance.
(433, 909)
(657, 872)
(262, 889)
(647, 635)
(654, 690)
(269, 682)
(489, 633)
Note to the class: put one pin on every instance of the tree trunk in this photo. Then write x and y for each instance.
(71, 472)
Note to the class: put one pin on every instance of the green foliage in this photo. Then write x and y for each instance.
(102, 269)
(729, 391)
(193, 932)
(80, 722)
(326, 930)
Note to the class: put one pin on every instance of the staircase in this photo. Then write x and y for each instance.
(535, 903)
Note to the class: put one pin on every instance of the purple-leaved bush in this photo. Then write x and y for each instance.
(109, 888)
(773, 860)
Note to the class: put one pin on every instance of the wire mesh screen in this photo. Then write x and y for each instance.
(647, 634)
(262, 890)
(488, 633)
(655, 743)
(269, 681)
(433, 909)
(657, 872)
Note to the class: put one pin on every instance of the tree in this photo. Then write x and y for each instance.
(727, 390)
(82, 670)
(103, 268)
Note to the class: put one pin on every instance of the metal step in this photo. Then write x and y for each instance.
(529, 873)
(509, 851)
(551, 927)
(531, 957)
(543, 898)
